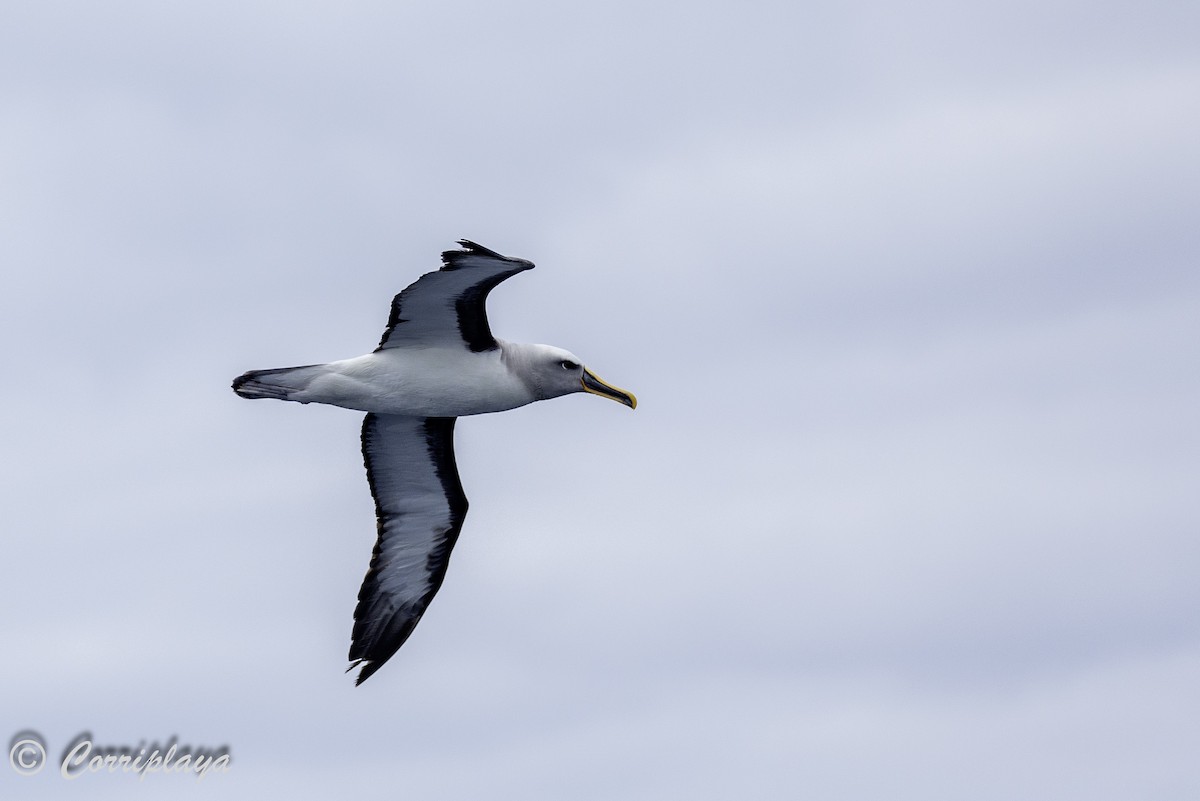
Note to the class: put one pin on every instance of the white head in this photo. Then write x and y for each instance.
(551, 372)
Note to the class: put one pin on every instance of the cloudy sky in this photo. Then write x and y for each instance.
(909, 297)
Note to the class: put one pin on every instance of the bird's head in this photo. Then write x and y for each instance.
(554, 372)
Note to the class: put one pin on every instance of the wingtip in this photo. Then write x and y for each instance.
(367, 671)
(450, 258)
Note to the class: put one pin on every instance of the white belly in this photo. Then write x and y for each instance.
(423, 382)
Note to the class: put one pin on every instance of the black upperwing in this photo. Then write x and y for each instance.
(449, 306)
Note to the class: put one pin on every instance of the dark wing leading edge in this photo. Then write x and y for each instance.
(448, 306)
(420, 507)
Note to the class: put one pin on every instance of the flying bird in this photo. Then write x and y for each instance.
(437, 361)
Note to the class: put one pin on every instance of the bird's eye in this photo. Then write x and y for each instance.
(567, 364)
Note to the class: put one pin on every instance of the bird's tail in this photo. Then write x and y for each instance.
(281, 383)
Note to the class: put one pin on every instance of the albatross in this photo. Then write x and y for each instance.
(437, 361)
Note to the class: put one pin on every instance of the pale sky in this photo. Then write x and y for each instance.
(908, 294)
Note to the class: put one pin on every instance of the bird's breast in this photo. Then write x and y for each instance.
(422, 382)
